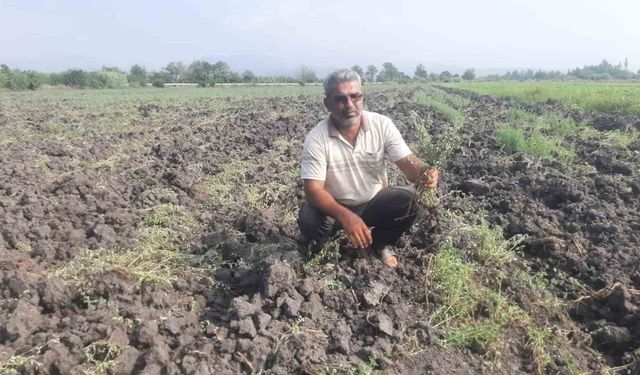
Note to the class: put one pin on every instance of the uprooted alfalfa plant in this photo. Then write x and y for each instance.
(481, 295)
(155, 258)
(433, 154)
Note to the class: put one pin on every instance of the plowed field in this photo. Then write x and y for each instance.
(152, 236)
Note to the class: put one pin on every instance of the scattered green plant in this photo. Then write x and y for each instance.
(167, 216)
(334, 283)
(24, 246)
(559, 124)
(362, 368)
(538, 341)
(155, 258)
(522, 118)
(511, 139)
(330, 250)
(621, 138)
(365, 368)
(19, 364)
(128, 323)
(533, 282)
(101, 355)
(222, 188)
(492, 247)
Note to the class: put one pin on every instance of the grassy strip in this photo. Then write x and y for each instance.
(604, 97)
(552, 123)
(437, 103)
(473, 312)
(155, 258)
(514, 140)
(540, 136)
(129, 98)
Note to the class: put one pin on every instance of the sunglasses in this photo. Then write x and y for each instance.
(344, 99)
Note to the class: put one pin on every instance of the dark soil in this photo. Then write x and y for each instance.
(265, 312)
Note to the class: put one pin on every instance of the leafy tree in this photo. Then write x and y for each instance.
(199, 72)
(176, 70)
(305, 75)
(358, 69)
(234, 77)
(137, 76)
(21, 80)
(3, 80)
(112, 69)
(469, 75)
(75, 78)
(248, 76)
(541, 75)
(389, 73)
(603, 71)
(421, 72)
(158, 79)
(4, 73)
(372, 72)
(114, 79)
(445, 76)
(106, 79)
(221, 73)
(15, 80)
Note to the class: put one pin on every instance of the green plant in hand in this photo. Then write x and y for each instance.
(433, 154)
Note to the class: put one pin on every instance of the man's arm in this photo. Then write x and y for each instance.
(414, 170)
(356, 230)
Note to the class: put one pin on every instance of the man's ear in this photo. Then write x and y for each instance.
(326, 103)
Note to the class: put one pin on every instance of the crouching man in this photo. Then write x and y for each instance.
(345, 177)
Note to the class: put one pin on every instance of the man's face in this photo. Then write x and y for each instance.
(345, 102)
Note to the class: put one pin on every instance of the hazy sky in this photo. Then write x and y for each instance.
(271, 37)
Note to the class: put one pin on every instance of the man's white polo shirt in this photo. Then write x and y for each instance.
(352, 174)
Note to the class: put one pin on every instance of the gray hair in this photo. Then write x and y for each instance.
(339, 76)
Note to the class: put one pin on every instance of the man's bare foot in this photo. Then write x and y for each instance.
(388, 257)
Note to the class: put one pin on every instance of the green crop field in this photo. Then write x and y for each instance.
(606, 96)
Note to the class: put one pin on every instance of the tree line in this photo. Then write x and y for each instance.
(604, 71)
(200, 72)
(204, 73)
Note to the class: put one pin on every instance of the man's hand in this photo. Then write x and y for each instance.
(418, 172)
(358, 234)
(429, 179)
(357, 231)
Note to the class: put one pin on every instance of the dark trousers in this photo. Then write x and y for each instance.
(391, 212)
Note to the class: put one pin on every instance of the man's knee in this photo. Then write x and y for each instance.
(393, 206)
(401, 200)
(313, 224)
